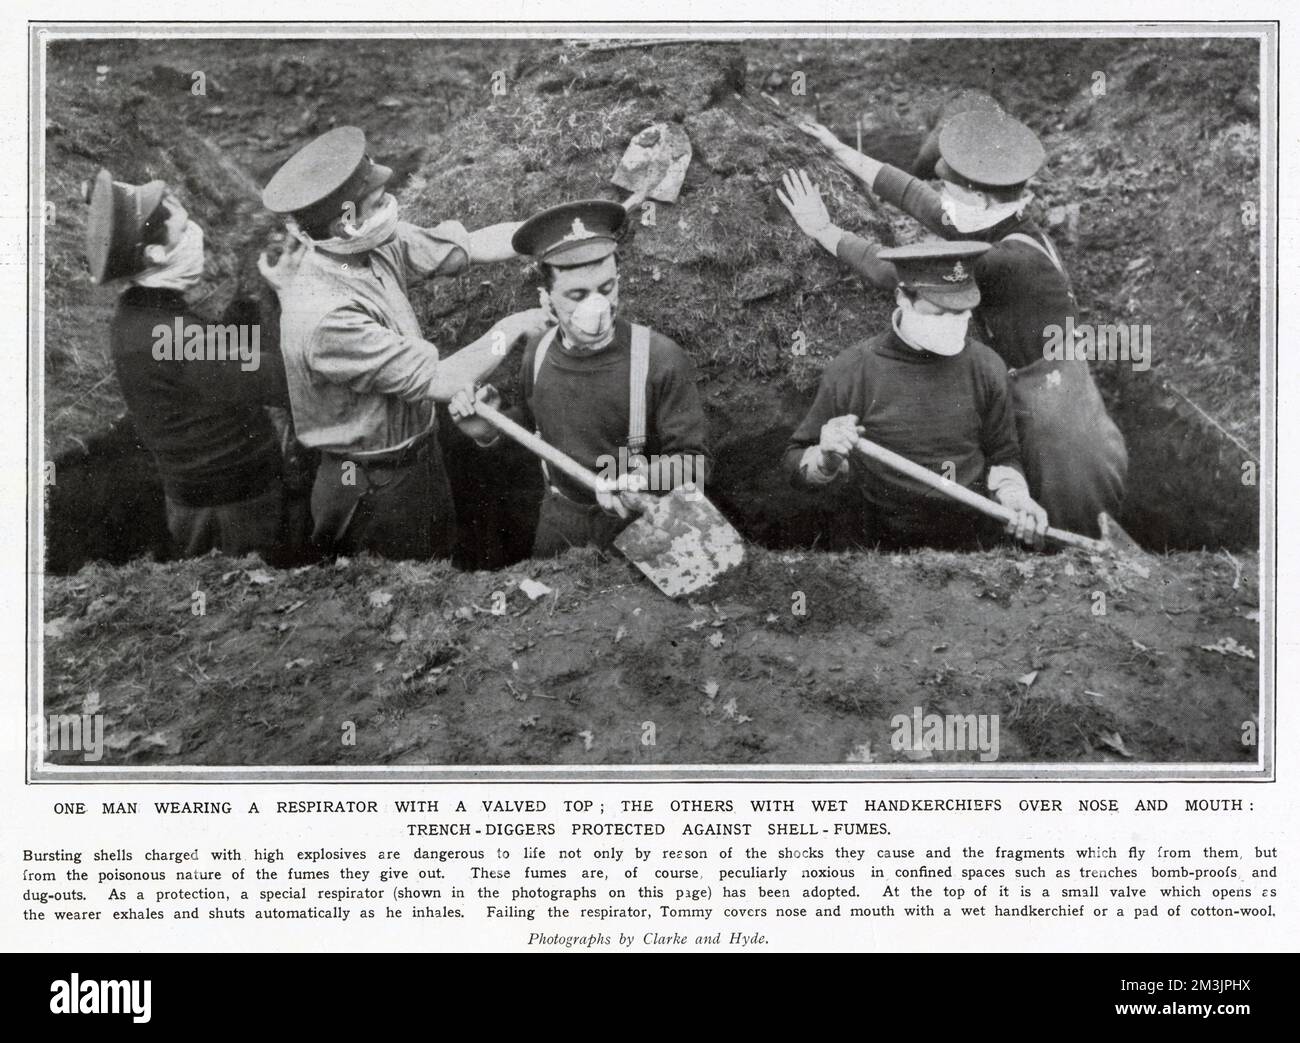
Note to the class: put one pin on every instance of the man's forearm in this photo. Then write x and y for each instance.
(864, 168)
(468, 366)
(829, 237)
(492, 243)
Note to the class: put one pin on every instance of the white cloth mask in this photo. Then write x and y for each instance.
(967, 218)
(943, 334)
(376, 230)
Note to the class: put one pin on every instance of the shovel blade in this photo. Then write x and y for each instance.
(681, 542)
(1122, 545)
(655, 162)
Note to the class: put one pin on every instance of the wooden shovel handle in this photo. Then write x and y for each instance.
(538, 445)
(639, 502)
(963, 495)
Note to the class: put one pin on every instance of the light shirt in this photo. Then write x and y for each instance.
(357, 366)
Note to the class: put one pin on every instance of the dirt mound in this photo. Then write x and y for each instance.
(803, 658)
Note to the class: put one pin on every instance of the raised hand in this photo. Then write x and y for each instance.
(804, 201)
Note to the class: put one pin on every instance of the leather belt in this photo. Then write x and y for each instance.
(403, 456)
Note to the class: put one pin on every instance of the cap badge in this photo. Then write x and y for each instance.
(958, 274)
(579, 232)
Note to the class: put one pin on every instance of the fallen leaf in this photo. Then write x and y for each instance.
(939, 648)
(860, 754)
(619, 634)
(1027, 679)
(464, 612)
(379, 598)
(297, 664)
(530, 721)
(396, 634)
(695, 624)
(1228, 646)
(533, 589)
(1114, 741)
(379, 668)
(260, 577)
(710, 688)
(772, 617)
(716, 639)
(1253, 615)
(588, 739)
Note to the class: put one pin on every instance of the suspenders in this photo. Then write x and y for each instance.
(636, 413)
(636, 390)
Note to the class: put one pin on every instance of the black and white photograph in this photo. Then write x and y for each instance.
(634, 401)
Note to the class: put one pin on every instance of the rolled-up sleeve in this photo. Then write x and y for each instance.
(441, 250)
(349, 347)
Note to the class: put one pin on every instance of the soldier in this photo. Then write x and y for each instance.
(362, 379)
(1073, 453)
(197, 409)
(619, 398)
(927, 390)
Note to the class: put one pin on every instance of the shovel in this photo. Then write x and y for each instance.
(1114, 541)
(654, 165)
(680, 541)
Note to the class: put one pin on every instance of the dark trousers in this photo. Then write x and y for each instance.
(563, 523)
(247, 527)
(1075, 459)
(393, 510)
